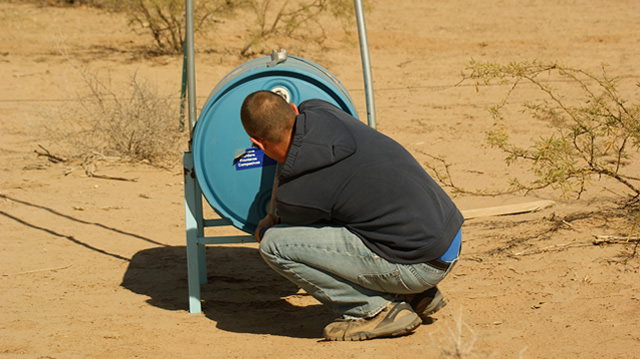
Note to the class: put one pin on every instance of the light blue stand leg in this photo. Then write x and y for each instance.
(196, 241)
(202, 259)
(196, 266)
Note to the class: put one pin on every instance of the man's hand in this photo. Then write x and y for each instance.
(268, 221)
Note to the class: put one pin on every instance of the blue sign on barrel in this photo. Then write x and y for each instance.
(253, 158)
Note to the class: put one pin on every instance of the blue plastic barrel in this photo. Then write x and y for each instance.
(241, 191)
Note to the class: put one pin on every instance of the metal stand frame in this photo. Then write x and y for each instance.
(196, 241)
(194, 220)
(366, 64)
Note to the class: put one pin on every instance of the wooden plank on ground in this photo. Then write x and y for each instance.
(508, 209)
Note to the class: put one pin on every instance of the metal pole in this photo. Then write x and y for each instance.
(191, 72)
(366, 64)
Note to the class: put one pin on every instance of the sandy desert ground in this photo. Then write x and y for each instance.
(96, 268)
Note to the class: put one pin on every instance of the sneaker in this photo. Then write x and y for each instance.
(428, 302)
(396, 319)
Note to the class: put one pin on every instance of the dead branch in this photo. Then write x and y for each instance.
(107, 177)
(53, 158)
(446, 180)
(605, 239)
(550, 248)
(599, 239)
(89, 165)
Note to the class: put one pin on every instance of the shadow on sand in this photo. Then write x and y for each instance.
(242, 294)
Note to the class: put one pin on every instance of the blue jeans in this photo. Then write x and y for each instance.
(334, 266)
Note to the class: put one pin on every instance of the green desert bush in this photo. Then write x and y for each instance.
(596, 135)
(300, 20)
(591, 134)
(93, 3)
(263, 20)
(165, 20)
(591, 130)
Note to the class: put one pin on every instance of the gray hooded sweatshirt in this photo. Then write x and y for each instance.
(340, 172)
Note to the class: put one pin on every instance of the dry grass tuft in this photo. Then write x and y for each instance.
(457, 340)
(128, 121)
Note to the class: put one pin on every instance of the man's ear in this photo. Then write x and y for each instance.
(294, 107)
(258, 143)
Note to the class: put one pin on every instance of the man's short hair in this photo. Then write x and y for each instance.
(266, 115)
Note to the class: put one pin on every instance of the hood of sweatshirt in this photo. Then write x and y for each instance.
(314, 147)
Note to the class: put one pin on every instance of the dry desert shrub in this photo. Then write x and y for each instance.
(130, 121)
(92, 3)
